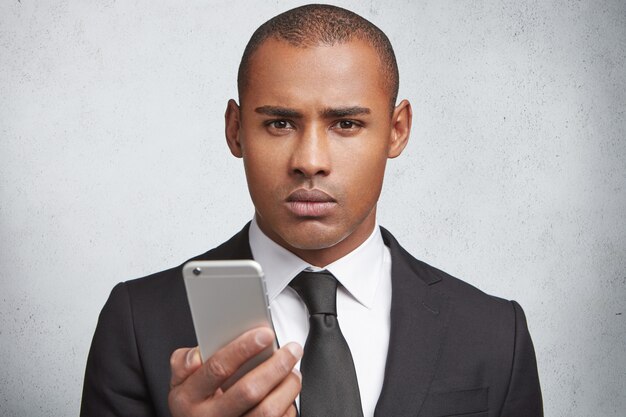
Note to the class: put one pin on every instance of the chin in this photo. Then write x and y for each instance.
(307, 239)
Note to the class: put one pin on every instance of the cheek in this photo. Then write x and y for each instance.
(264, 172)
(365, 167)
(254, 164)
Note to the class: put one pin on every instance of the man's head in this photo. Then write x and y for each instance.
(322, 24)
(315, 131)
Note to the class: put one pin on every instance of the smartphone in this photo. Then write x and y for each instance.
(227, 298)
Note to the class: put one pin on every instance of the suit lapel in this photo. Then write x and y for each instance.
(419, 316)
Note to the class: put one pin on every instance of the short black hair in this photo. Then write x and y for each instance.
(322, 24)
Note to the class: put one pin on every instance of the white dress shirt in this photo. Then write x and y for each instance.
(363, 303)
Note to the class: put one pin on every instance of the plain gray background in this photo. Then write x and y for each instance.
(113, 165)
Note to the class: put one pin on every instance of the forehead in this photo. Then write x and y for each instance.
(348, 73)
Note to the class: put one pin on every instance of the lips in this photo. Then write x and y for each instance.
(310, 203)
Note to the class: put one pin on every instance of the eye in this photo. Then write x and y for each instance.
(279, 127)
(347, 127)
(280, 124)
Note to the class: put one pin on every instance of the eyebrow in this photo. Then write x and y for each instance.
(329, 112)
(345, 111)
(278, 112)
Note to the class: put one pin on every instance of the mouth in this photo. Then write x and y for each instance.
(310, 203)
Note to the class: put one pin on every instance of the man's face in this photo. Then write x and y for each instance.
(315, 131)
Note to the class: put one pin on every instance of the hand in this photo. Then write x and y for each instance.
(268, 390)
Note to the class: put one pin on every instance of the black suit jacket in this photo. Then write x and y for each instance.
(453, 350)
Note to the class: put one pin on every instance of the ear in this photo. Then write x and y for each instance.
(400, 128)
(233, 125)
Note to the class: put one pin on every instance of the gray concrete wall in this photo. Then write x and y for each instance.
(113, 165)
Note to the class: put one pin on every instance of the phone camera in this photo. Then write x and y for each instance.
(197, 271)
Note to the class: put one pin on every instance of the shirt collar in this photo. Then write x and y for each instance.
(359, 271)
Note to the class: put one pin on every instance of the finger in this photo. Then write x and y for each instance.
(210, 376)
(280, 402)
(184, 362)
(252, 389)
(292, 412)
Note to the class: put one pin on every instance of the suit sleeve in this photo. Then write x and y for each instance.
(523, 397)
(114, 380)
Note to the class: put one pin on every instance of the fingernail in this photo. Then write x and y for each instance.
(193, 357)
(295, 349)
(263, 338)
(297, 373)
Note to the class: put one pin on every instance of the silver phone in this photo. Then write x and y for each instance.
(227, 298)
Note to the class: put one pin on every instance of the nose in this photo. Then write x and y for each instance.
(311, 154)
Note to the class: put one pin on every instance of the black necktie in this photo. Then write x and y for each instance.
(329, 384)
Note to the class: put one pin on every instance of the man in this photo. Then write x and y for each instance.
(315, 125)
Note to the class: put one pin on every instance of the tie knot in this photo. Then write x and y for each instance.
(318, 290)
